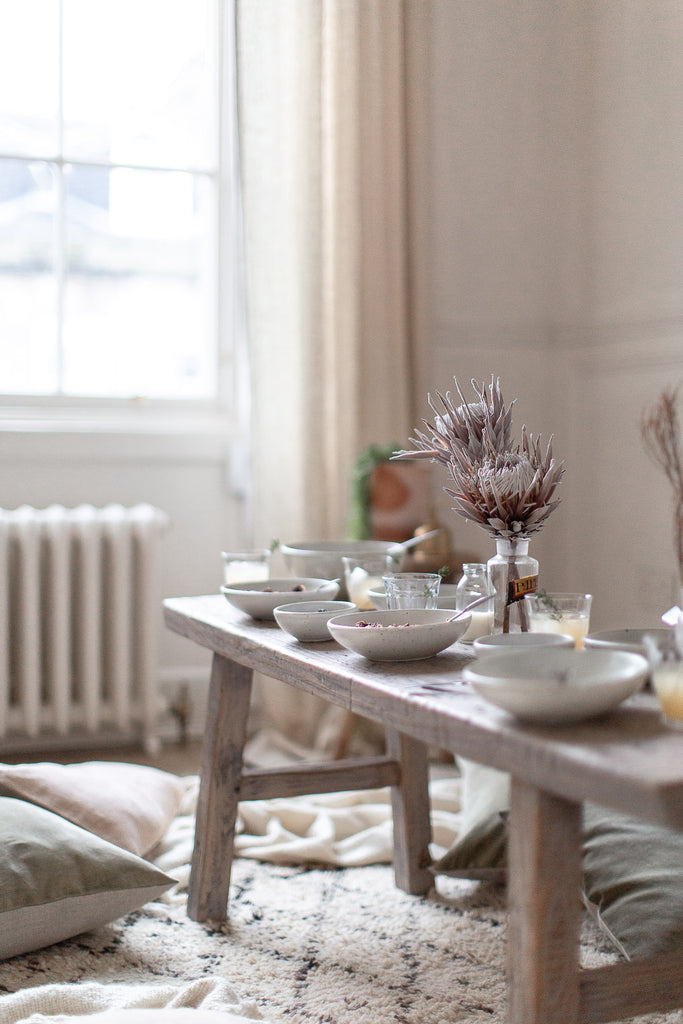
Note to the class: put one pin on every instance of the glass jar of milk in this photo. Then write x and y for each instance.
(475, 582)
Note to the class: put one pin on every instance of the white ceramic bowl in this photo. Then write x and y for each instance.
(405, 635)
(625, 639)
(446, 598)
(496, 643)
(307, 620)
(324, 558)
(259, 598)
(557, 685)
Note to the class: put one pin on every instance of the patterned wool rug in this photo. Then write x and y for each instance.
(306, 945)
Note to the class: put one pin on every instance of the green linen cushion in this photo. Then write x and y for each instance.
(480, 850)
(632, 871)
(58, 880)
(633, 874)
(130, 805)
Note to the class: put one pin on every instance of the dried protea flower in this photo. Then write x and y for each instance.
(508, 490)
(508, 494)
(478, 426)
(662, 437)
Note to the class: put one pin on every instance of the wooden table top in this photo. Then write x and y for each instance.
(628, 760)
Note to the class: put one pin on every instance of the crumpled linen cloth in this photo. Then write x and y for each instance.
(347, 829)
(205, 1001)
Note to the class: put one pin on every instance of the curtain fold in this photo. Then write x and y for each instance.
(321, 102)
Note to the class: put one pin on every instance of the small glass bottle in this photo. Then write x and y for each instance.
(513, 574)
(474, 583)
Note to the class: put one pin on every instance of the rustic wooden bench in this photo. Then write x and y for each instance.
(628, 761)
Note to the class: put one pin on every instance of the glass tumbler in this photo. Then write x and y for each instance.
(411, 589)
(243, 566)
(559, 613)
(666, 668)
(363, 574)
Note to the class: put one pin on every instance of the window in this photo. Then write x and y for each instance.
(109, 198)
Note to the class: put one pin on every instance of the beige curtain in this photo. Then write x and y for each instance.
(321, 99)
(321, 126)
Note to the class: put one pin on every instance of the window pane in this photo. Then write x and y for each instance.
(28, 291)
(138, 284)
(138, 82)
(29, 77)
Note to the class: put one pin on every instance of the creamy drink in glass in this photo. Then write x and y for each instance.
(559, 613)
(243, 566)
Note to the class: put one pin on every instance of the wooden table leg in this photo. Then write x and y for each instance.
(545, 907)
(226, 728)
(411, 814)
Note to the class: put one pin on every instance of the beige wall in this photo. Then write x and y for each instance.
(546, 202)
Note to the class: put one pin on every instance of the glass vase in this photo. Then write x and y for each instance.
(513, 573)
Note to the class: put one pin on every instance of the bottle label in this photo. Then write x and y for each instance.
(519, 587)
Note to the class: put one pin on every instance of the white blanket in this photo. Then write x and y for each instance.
(132, 1004)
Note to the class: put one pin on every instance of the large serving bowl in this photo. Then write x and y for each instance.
(307, 620)
(324, 557)
(259, 598)
(557, 685)
(495, 643)
(404, 635)
(626, 639)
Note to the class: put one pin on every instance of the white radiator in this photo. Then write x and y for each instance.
(79, 614)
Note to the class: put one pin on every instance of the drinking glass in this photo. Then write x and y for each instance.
(363, 574)
(411, 589)
(242, 566)
(559, 613)
(666, 672)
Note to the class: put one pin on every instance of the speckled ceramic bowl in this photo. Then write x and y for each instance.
(307, 620)
(404, 635)
(259, 598)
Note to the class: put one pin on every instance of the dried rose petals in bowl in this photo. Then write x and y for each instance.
(259, 598)
(423, 633)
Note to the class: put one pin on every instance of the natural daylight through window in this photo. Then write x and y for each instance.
(109, 198)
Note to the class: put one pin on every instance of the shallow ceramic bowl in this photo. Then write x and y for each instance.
(557, 685)
(496, 643)
(625, 639)
(259, 598)
(307, 620)
(406, 635)
(446, 598)
(324, 558)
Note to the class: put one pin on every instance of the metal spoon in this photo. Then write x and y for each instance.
(321, 586)
(472, 604)
(412, 541)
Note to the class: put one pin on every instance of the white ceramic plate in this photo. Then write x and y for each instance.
(556, 685)
(405, 635)
(499, 642)
(307, 620)
(259, 598)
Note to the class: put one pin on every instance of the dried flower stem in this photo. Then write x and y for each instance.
(660, 430)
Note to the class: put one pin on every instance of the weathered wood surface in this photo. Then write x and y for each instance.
(627, 760)
(545, 907)
(630, 989)
(227, 712)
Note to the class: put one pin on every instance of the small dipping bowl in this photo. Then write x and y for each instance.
(307, 621)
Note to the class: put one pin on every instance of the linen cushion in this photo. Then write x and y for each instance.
(58, 880)
(480, 850)
(126, 804)
(632, 871)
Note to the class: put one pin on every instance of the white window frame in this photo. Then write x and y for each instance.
(181, 421)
